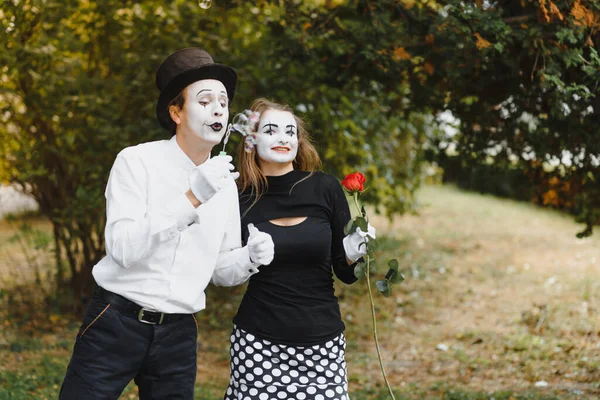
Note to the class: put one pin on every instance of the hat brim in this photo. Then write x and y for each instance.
(220, 72)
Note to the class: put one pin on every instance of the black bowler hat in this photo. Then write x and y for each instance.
(183, 68)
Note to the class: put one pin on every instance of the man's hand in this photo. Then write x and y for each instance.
(354, 243)
(211, 176)
(260, 246)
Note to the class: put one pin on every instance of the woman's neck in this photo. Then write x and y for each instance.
(275, 169)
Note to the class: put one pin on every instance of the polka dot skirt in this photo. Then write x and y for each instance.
(261, 370)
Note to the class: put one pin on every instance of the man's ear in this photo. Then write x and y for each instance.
(174, 112)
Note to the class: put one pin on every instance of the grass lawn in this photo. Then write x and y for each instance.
(501, 302)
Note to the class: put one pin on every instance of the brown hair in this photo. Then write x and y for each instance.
(178, 102)
(251, 176)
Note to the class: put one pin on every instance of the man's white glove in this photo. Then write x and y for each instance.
(261, 248)
(211, 176)
(354, 243)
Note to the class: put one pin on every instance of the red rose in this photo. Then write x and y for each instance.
(354, 182)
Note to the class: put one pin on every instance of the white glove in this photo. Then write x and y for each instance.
(354, 243)
(211, 176)
(261, 248)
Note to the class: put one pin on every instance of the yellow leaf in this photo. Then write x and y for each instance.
(583, 16)
(54, 318)
(481, 42)
(400, 54)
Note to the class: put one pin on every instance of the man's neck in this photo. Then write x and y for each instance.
(195, 148)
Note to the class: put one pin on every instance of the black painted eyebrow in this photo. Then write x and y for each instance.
(270, 125)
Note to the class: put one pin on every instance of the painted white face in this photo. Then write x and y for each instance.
(277, 137)
(205, 112)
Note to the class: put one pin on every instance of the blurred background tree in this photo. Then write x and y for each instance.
(519, 79)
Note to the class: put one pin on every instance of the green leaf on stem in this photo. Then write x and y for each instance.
(363, 212)
(348, 227)
(384, 287)
(361, 223)
(393, 275)
(360, 270)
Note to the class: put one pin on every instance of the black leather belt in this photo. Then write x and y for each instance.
(133, 310)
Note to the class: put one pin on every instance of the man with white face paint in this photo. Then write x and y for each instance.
(173, 226)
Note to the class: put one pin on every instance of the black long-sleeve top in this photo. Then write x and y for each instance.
(292, 300)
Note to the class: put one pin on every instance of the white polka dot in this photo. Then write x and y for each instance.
(292, 388)
(242, 355)
(316, 357)
(259, 384)
(300, 357)
(321, 380)
(343, 397)
(253, 392)
(242, 342)
(324, 362)
(275, 349)
(319, 397)
(267, 353)
(329, 374)
(339, 390)
(250, 377)
(309, 363)
(267, 365)
(286, 379)
(311, 374)
(293, 363)
(337, 379)
(303, 380)
(249, 363)
(258, 358)
(272, 389)
(229, 391)
(302, 368)
(236, 347)
(316, 347)
(235, 360)
(294, 373)
(319, 368)
(330, 393)
(341, 371)
(268, 378)
(329, 344)
(247, 398)
(266, 342)
(236, 374)
(301, 396)
(333, 366)
(322, 387)
(276, 360)
(257, 345)
(284, 367)
(250, 337)
(323, 351)
(282, 395)
(249, 350)
(276, 372)
(258, 371)
(263, 396)
(335, 349)
(311, 390)
(291, 350)
(242, 369)
(308, 352)
(284, 356)
(237, 332)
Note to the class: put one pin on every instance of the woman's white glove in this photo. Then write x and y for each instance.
(211, 176)
(261, 248)
(354, 243)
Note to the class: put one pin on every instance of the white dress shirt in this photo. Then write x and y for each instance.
(161, 252)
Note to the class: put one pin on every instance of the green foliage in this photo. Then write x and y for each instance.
(77, 85)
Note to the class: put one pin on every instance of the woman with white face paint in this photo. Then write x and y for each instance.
(288, 340)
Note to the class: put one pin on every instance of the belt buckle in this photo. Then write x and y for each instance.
(141, 317)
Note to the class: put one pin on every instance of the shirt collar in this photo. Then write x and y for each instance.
(179, 156)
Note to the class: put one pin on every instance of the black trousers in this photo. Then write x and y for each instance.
(111, 349)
